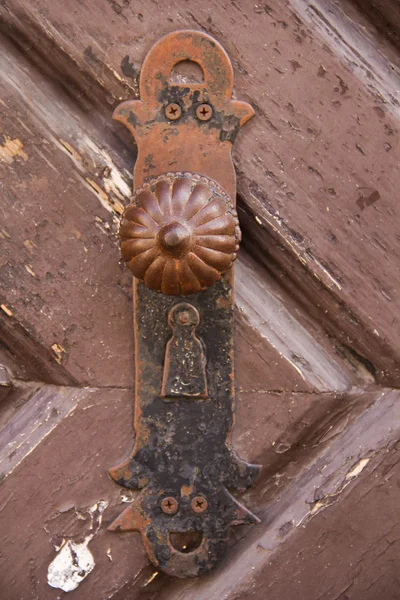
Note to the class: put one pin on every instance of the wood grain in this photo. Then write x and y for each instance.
(317, 318)
(66, 293)
(318, 164)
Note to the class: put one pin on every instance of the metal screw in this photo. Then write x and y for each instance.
(204, 112)
(199, 504)
(169, 505)
(173, 111)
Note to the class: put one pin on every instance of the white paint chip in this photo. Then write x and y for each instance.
(74, 561)
(72, 564)
(356, 470)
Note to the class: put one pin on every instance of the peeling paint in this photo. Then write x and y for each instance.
(74, 561)
(29, 245)
(126, 496)
(356, 470)
(108, 203)
(72, 152)
(11, 149)
(29, 270)
(329, 499)
(116, 183)
(150, 579)
(5, 309)
(58, 351)
(72, 564)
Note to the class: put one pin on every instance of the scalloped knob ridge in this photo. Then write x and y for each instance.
(180, 233)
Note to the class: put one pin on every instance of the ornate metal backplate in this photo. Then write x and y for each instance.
(179, 237)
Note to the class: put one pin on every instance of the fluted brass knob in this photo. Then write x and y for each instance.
(180, 233)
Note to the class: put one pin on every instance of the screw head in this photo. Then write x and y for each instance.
(169, 505)
(204, 112)
(199, 504)
(173, 111)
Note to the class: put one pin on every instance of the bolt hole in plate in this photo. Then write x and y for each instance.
(187, 71)
(186, 541)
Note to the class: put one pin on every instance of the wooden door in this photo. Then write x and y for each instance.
(317, 280)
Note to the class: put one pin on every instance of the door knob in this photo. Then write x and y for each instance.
(180, 236)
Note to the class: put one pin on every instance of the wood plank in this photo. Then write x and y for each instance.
(385, 15)
(350, 550)
(44, 410)
(329, 277)
(267, 314)
(60, 473)
(282, 558)
(318, 165)
(55, 494)
(67, 300)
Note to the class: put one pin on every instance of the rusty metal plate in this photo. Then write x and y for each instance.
(179, 237)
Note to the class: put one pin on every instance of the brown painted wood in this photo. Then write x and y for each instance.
(51, 494)
(69, 242)
(385, 15)
(322, 145)
(283, 558)
(316, 294)
(349, 551)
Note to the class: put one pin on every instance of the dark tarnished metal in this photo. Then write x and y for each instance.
(180, 237)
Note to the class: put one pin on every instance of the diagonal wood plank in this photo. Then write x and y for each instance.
(69, 242)
(315, 487)
(318, 164)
